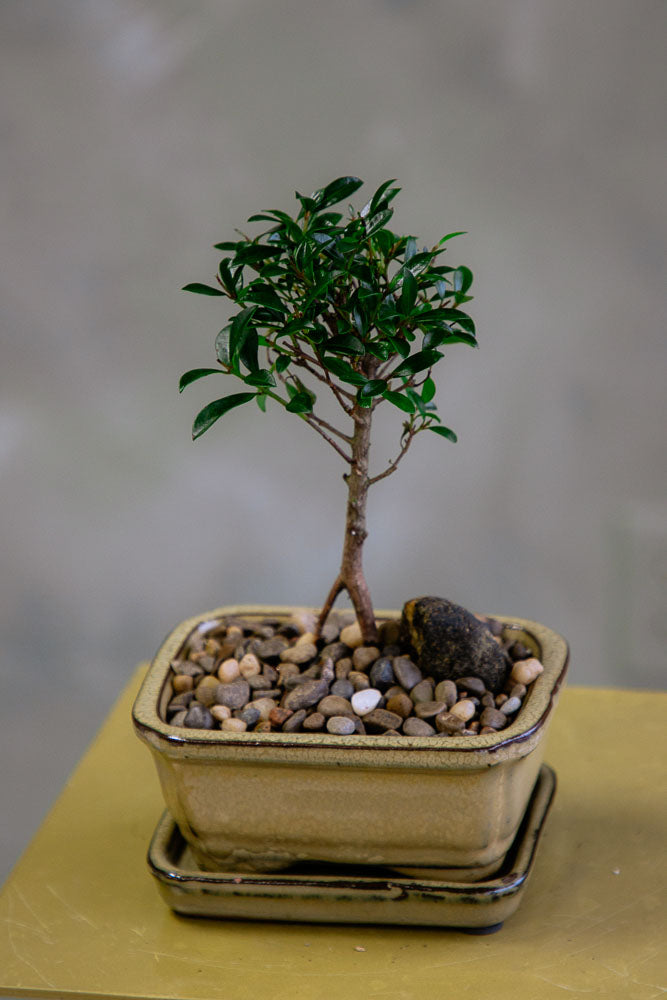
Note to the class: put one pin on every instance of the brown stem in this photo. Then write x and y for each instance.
(351, 576)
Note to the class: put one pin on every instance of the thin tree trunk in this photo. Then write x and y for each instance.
(351, 575)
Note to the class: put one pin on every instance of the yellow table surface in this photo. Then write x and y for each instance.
(81, 917)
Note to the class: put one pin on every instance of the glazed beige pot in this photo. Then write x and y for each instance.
(248, 801)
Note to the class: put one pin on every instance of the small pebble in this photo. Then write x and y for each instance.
(343, 689)
(473, 685)
(494, 718)
(340, 725)
(234, 695)
(488, 701)
(303, 653)
(233, 726)
(417, 727)
(178, 719)
(229, 669)
(264, 706)
(343, 668)
(279, 716)
(287, 670)
(250, 714)
(249, 665)
(446, 691)
(401, 704)
(182, 682)
(220, 712)
(309, 693)
(263, 727)
(351, 635)
(525, 671)
(364, 702)
(464, 709)
(382, 673)
(332, 705)
(293, 723)
(518, 691)
(198, 717)
(363, 656)
(271, 649)
(313, 723)
(206, 693)
(429, 709)
(511, 706)
(380, 720)
(448, 723)
(406, 672)
(358, 680)
(518, 651)
(423, 691)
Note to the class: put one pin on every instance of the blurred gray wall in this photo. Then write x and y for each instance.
(134, 136)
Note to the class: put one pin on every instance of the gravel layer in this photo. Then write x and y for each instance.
(272, 675)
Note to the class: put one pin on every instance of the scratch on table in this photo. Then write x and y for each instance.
(73, 912)
(12, 924)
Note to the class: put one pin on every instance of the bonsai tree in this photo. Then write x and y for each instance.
(345, 305)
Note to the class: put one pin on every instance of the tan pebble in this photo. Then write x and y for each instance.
(473, 727)
(363, 656)
(265, 706)
(518, 691)
(212, 647)
(358, 680)
(182, 682)
(249, 665)
(228, 670)
(220, 712)
(464, 709)
(525, 671)
(448, 723)
(307, 637)
(343, 668)
(486, 730)
(351, 635)
(299, 653)
(446, 691)
(500, 700)
(206, 689)
(304, 619)
(263, 727)
(234, 633)
(233, 726)
(179, 718)
(314, 722)
(401, 704)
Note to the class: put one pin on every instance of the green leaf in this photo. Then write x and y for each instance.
(208, 416)
(428, 390)
(374, 387)
(282, 362)
(200, 289)
(262, 378)
(462, 279)
(365, 401)
(227, 247)
(194, 374)
(265, 296)
(408, 293)
(260, 399)
(248, 349)
(383, 194)
(376, 222)
(238, 331)
(399, 400)
(444, 432)
(417, 363)
(301, 402)
(450, 236)
(345, 343)
(344, 371)
(336, 191)
(399, 346)
(222, 346)
(410, 249)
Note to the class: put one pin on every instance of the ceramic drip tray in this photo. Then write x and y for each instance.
(327, 893)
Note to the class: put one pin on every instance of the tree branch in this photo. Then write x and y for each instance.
(394, 465)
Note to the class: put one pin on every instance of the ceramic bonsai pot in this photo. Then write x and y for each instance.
(262, 802)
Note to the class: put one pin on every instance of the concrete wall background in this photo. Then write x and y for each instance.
(135, 135)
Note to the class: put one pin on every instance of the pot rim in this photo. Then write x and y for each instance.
(517, 739)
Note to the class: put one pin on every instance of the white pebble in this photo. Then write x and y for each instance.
(365, 701)
(464, 709)
(525, 671)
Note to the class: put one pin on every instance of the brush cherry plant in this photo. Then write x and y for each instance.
(343, 305)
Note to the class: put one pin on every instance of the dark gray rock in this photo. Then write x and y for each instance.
(234, 694)
(406, 672)
(309, 693)
(382, 674)
(417, 727)
(493, 718)
(343, 689)
(270, 649)
(198, 717)
(449, 642)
